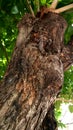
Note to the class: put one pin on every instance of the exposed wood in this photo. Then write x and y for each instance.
(65, 8)
(54, 4)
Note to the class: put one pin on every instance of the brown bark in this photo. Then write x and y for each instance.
(35, 74)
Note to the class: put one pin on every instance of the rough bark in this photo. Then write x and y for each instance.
(35, 73)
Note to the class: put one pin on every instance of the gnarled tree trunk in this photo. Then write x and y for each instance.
(35, 74)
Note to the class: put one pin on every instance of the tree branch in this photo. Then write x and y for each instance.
(64, 100)
(30, 8)
(54, 4)
(65, 8)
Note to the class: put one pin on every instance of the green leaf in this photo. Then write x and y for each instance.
(58, 104)
(14, 10)
(71, 108)
(43, 2)
(60, 124)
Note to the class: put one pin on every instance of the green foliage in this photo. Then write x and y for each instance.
(58, 113)
(60, 124)
(14, 10)
(68, 84)
(11, 12)
(43, 2)
(65, 96)
(8, 34)
(71, 108)
(69, 18)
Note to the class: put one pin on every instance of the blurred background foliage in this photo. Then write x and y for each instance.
(11, 12)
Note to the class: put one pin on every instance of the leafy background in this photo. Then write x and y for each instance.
(11, 12)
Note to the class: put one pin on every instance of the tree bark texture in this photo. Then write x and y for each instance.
(34, 76)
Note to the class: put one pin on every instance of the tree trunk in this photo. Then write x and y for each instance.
(34, 76)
